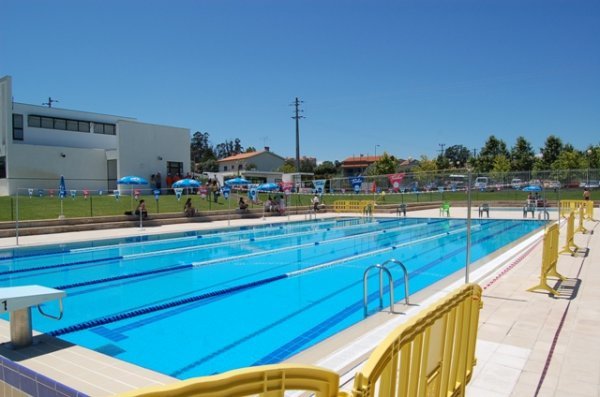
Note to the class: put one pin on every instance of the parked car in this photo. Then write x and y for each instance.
(591, 184)
(481, 183)
(535, 182)
(548, 184)
(516, 183)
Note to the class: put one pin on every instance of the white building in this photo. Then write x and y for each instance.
(256, 166)
(92, 151)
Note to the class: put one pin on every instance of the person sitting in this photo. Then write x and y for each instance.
(269, 204)
(188, 208)
(242, 204)
(315, 202)
(141, 209)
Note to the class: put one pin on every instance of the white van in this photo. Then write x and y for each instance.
(481, 182)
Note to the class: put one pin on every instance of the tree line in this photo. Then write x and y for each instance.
(494, 157)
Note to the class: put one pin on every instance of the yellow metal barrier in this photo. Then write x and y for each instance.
(352, 205)
(549, 260)
(580, 227)
(570, 246)
(567, 206)
(263, 381)
(431, 355)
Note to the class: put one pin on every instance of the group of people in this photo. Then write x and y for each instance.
(275, 204)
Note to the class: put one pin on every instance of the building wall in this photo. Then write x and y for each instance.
(145, 149)
(265, 161)
(40, 167)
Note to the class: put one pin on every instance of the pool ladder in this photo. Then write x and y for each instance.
(383, 269)
(310, 214)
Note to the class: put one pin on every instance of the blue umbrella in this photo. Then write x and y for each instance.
(132, 180)
(187, 183)
(267, 187)
(237, 181)
(532, 188)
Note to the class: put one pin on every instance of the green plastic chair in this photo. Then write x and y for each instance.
(445, 209)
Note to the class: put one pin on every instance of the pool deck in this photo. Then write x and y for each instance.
(529, 344)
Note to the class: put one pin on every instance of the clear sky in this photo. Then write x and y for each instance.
(405, 75)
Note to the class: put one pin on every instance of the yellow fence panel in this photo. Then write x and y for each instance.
(568, 206)
(263, 381)
(431, 355)
(570, 246)
(549, 260)
(580, 227)
(358, 206)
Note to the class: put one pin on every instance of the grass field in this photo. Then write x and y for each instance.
(50, 207)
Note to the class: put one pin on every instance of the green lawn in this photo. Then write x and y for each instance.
(49, 207)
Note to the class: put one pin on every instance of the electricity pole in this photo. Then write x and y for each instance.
(297, 117)
(442, 145)
(50, 101)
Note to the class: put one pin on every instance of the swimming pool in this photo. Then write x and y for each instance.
(200, 303)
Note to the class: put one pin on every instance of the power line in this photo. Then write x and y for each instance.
(297, 117)
(442, 145)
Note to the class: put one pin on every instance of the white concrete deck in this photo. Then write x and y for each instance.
(527, 342)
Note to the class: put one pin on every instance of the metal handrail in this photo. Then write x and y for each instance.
(405, 276)
(60, 305)
(382, 268)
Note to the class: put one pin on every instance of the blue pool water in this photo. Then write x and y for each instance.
(200, 303)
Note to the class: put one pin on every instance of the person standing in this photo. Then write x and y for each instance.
(158, 181)
(315, 202)
(586, 194)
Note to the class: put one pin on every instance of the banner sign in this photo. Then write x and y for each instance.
(319, 185)
(396, 181)
(178, 192)
(156, 194)
(252, 192)
(116, 193)
(356, 183)
(287, 186)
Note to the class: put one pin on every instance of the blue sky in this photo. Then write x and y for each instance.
(405, 75)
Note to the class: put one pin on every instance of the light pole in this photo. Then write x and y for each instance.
(589, 156)
(468, 251)
(374, 190)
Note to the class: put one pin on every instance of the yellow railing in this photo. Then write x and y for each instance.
(431, 355)
(549, 260)
(570, 246)
(580, 227)
(567, 206)
(353, 205)
(263, 381)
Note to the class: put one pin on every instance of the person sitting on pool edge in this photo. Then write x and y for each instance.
(141, 209)
(188, 208)
(242, 204)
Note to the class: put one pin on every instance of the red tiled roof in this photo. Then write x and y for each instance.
(362, 159)
(241, 156)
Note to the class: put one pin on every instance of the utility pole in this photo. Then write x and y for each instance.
(50, 101)
(442, 145)
(297, 117)
(474, 152)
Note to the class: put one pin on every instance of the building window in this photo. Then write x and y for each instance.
(47, 122)
(17, 127)
(72, 125)
(84, 126)
(109, 129)
(224, 168)
(2, 167)
(34, 121)
(60, 124)
(98, 128)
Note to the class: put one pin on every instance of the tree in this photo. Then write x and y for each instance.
(500, 168)
(250, 149)
(326, 169)
(522, 157)
(202, 153)
(570, 160)
(288, 167)
(457, 156)
(386, 164)
(306, 165)
(424, 172)
(551, 151)
(492, 148)
(229, 148)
